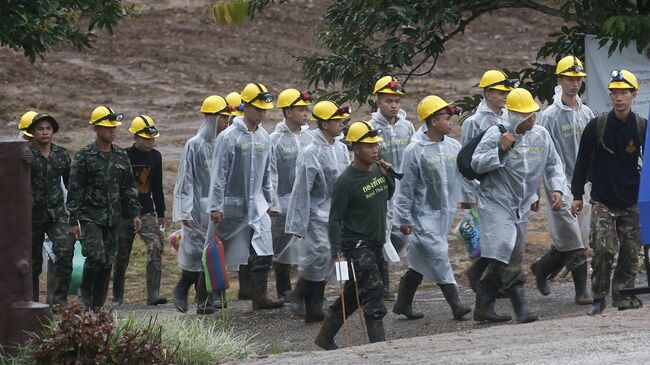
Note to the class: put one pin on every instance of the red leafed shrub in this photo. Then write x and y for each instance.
(80, 337)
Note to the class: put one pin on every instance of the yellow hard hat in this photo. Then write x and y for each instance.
(327, 110)
(144, 126)
(498, 80)
(104, 116)
(215, 104)
(521, 101)
(570, 66)
(25, 121)
(363, 132)
(234, 102)
(430, 105)
(388, 85)
(623, 79)
(292, 97)
(257, 95)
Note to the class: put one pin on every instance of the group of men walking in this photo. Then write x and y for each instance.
(299, 197)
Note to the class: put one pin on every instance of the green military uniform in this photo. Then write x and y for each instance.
(99, 183)
(50, 217)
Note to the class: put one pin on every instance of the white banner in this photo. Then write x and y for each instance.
(599, 66)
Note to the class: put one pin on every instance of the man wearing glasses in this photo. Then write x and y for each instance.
(565, 120)
(101, 181)
(146, 163)
(609, 156)
(357, 228)
(242, 197)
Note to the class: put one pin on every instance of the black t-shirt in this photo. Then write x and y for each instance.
(147, 171)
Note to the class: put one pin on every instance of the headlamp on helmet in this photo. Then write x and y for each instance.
(394, 85)
(511, 83)
(617, 75)
(111, 116)
(306, 96)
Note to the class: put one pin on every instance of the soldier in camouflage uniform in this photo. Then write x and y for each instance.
(357, 228)
(100, 182)
(609, 154)
(51, 164)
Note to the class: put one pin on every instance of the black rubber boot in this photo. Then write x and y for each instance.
(86, 287)
(282, 280)
(119, 273)
(188, 278)
(52, 278)
(298, 297)
(204, 300)
(60, 296)
(244, 277)
(101, 281)
(544, 268)
(385, 277)
(484, 309)
(259, 292)
(475, 272)
(518, 300)
(450, 292)
(328, 329)
(314, 301)
(597, 307)
(376, 331)
(580, 284)
(153, 284)
(408, 284)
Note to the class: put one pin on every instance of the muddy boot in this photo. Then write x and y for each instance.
(188, 278)
(282, 280)
(153, 285)
(631, 302)
(385, 278)
(328, 329)
(204, 300)
(450, 292)
(101, 282)
(580, 284)
(484, 309)
(86, 287)
(259, 292)
(314, 301)
(375, 330)
(51, 282)
(544, 268)
(244, 276)
(518, 300)
(60, 295)
(36, 293)
(408, 284)
(597, 307)
(475, 272)
(298, 297)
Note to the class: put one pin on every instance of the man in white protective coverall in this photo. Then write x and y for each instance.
(425, 204)
(514, 163)
(191, 202)
(242, 197)
(317, 168)
(565, 120)
(397, 133)
(290, 137)
(490, 111)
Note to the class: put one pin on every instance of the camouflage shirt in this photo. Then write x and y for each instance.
(99, 184)
(49, 200)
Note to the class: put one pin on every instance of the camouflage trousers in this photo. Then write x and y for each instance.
(153, 239)
(62, 245)
(614, 231)
(98, 245)
(367, 260)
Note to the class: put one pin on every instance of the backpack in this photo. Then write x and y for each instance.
(601, 123)
(464, 159)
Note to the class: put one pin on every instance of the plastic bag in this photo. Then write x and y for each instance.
(78, 262)
(467, 232)
(175, 239)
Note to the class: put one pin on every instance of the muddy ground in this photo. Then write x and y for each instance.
(165, 62)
